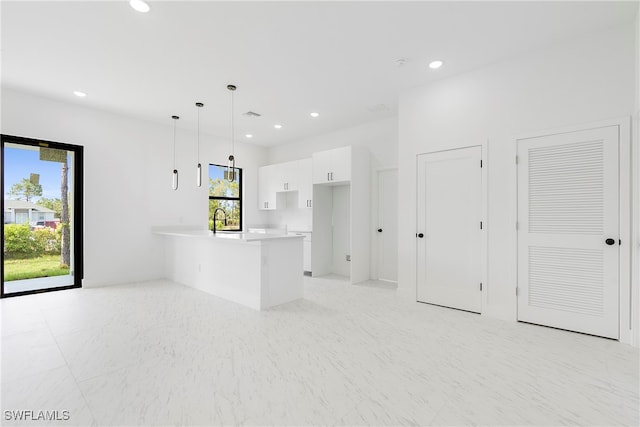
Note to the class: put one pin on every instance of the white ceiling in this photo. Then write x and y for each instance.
(287, 58)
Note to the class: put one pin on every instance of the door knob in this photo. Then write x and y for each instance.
(420, 235)
(379, 230)
(610, 242)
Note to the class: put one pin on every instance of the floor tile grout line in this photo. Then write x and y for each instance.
(355, 408)
(447, 401)
(75, 380)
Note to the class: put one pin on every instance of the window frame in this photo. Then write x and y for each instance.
(238, 199)
(77, 217)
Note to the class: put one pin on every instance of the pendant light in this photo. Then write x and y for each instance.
(231, 165)
(174, 184)
(199, 167)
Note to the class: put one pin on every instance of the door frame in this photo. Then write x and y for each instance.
(375, 200)
(624, 206)
(484, 248)
(78, 224)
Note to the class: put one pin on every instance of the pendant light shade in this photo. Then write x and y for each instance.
(174, 183)
(231, 165)
(199, 166)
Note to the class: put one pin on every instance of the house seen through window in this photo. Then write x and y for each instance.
(225, 199)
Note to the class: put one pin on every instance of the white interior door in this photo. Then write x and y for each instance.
(568, 231)
(449, 244)
(388, 225)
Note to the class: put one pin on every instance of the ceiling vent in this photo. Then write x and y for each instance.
(251, 114)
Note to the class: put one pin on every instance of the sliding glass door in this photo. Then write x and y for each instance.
(42, 216)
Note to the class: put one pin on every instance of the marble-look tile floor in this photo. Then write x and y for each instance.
(158, 353)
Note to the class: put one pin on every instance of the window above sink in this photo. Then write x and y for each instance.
(227, 196)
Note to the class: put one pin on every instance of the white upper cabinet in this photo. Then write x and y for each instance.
(321, 166)
(285, 177)
(289, 176)
(332, 166)
(269, 177)
(305, 184)
(341, 169)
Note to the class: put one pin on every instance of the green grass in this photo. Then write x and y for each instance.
(44, 266)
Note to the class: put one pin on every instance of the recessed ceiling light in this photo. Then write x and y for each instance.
(435, 64)
(140, 6)
(249, 135)
(314, 114)
(277, 126)
(79, 94)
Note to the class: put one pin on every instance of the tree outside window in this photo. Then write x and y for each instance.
(227, 196)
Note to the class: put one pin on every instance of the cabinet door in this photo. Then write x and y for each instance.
(306, 254)
(340, 164)
(267, 177)
(305, 185)
(322, 166)
(332, 165)
(288, 176)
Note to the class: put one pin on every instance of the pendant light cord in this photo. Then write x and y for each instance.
(198, 135)
(233, 146)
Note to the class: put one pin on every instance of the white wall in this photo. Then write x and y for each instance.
(289, 213)
(127, 179)
(586, 80)
(635, 151)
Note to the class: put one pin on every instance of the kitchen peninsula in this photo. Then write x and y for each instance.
(253, 269)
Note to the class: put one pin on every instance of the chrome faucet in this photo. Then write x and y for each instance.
(214, 218)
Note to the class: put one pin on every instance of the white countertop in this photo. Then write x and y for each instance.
(221, 235)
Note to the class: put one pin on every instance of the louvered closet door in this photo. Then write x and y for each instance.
(567, 209)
